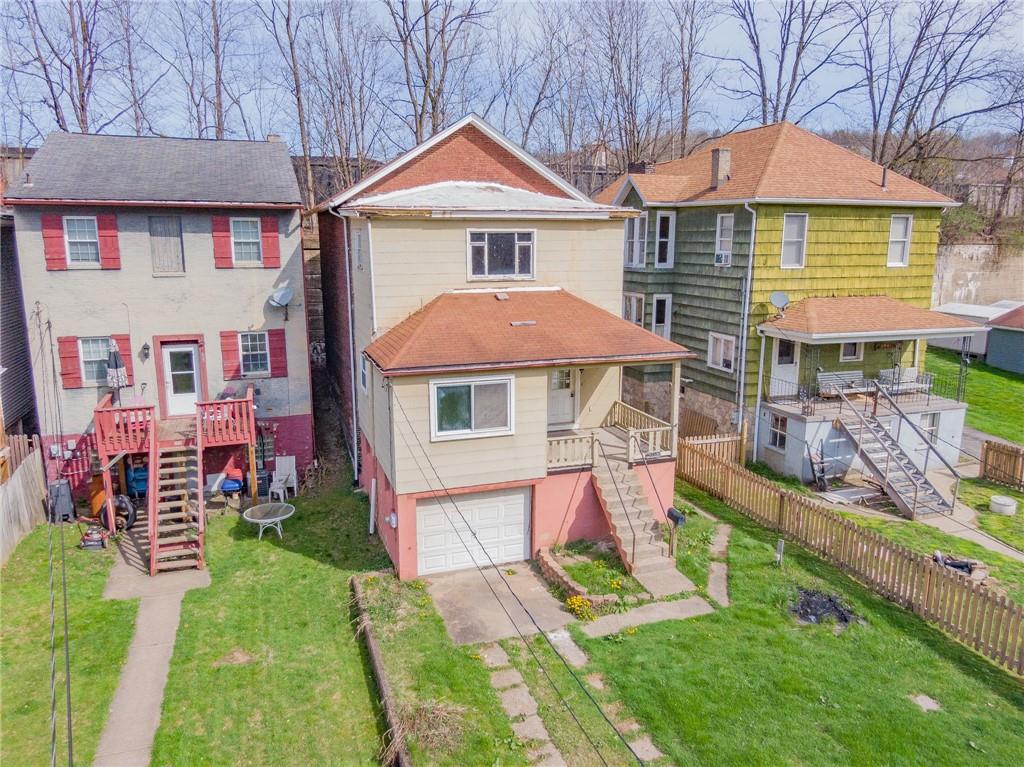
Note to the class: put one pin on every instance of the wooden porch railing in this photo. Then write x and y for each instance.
(653, 437)
(226, 421)
(570, 452)
(122, 429)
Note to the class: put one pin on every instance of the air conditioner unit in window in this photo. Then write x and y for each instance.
(723, 258)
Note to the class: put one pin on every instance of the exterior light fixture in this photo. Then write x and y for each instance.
(393, 519)
(145, 351)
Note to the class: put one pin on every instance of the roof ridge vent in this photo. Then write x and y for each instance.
(522, 323)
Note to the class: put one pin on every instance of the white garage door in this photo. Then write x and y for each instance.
(499, 518)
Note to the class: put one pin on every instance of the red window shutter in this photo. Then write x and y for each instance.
(221, 227)
(124, 345)
(53, 242)
(110, 249)
(70, 365)
(271, 242)
(230, 355)
(278, 353)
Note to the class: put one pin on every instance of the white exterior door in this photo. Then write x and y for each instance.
(785, 381)
(499, 518)
(181, 378)
(561, 397)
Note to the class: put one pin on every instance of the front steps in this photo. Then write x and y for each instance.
(176, 534)
(635, 530)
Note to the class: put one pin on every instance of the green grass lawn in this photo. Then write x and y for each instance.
(995, 397)
(925, 539)
(99, 633)
(786, 481)
(603, 573)
(443, 691)
(693, 542)
(748, 685)
(267, 669)
(1010, 530)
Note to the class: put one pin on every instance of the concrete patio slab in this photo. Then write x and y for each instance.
(663, 583)
(650, 613)
(472, 614)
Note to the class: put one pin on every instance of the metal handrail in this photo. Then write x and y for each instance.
(888, 452)
(618, 492)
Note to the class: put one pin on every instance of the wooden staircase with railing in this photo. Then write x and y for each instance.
(177, 517)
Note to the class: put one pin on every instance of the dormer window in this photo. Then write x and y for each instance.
(501, 255)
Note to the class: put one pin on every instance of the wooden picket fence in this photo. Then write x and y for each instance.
(727, 447)
(1003, 463)
(22, 496)
(974, 614)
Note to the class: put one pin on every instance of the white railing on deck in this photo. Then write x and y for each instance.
(568, 452)
(654, 437)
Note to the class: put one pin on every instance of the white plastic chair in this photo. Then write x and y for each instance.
(284, 478)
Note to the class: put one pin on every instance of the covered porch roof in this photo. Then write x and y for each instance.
(504, 328)
(835, 319)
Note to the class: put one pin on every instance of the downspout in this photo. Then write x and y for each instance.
(373, 282)
(741, 379)
(351, 347)
(757, 401)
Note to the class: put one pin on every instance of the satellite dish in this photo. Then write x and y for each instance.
(281, 297)
(779, 300)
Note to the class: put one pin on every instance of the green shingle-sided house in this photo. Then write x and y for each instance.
(778, 211)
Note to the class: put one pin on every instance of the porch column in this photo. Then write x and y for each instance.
(677, 371)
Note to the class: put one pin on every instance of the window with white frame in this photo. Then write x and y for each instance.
(245, 241)
(664, 249)
(930, 426)
(721, 351)
(851, 351)
(633, 308)
(255, 353)
(785, 352)
(82, 240)
(723, 239)
(635, 246)
(364, 372)
(899, 240)
(94, 352)
(794, 240)
(661, 315)
(471, 407)
(501, 255)
(777, 431)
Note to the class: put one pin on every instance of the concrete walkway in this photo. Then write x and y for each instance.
(653, 612)
(134, 715)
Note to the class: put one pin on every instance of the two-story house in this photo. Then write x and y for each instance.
(184, 257)
(773, 223)
(471, 303)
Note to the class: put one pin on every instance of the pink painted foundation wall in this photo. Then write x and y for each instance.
(659, 484)
(566, 509)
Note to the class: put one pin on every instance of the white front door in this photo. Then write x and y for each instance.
(181, 378)
(561, 397)
(499, 518)
(785, 368)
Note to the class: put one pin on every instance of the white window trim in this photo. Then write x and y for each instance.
(910, 231)
(364, 372)
(241, 354)
(803, 244)
(713, 336)
(67, 246)
(667, 297)
(718, 237)
(231, 231)
(626, 296)
(636, 250)
(86, 381)
(671, 216)
(784, 431)
(856, 357)
(778, 348)
(470, 277)
(436, 436)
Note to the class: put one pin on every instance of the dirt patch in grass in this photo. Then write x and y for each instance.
(237, 657)
(813, 606)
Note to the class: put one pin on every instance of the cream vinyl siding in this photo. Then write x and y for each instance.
(414, 260)
(598, 389)
(480, 460)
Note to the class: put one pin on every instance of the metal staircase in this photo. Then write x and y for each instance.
(177, 518)
(882, 455)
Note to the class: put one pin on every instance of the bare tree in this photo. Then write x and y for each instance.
(1010, 88)
(137, 75)
(430, 37)
(779, 74)
(690, 21)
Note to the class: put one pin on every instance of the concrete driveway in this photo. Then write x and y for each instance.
(473, 615)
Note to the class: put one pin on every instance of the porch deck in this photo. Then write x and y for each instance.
(627, 435)
(829, 408)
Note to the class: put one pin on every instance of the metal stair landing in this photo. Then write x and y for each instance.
(636, 533)
(905, 485)
(176, 530)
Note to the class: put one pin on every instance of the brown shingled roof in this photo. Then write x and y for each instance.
(1013, 319)
(469, 330)
(775, 162)
(869, 315)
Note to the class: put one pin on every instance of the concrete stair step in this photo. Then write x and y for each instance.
(177, 564)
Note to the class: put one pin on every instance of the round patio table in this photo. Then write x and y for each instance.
(268, 515)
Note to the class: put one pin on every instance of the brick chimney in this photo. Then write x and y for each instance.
(721, 166)
(640, 167)
(273, 138)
